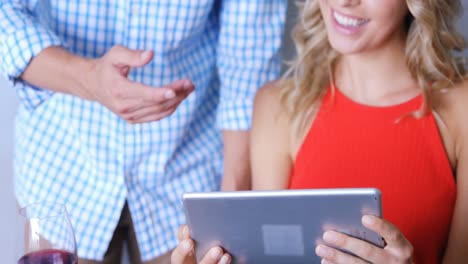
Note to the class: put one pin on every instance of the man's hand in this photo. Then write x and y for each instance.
(106, 82)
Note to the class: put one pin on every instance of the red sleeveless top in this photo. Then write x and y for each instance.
(353, 145)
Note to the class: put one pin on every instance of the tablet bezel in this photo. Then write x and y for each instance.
(207, 214)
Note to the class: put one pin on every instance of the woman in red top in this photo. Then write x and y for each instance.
(376, 98)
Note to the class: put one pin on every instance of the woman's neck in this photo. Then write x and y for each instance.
(376, 77)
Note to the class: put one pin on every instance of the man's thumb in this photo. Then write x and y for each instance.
(122, 56)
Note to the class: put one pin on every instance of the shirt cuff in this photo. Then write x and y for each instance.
(22, 46)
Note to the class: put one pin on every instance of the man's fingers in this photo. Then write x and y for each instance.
(154, 117)
(148, 94)
(181, 86)
(151, 111)
(178, 88)
(184, 253)
(140, 91)
(121, 56)
(159, 95)
(140, 110)
(138, 103)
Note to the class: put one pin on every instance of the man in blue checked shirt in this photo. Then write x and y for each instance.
(125, 105)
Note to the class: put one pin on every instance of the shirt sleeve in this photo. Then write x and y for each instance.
(22, 36)
(248, 56)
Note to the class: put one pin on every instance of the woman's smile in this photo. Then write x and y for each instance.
(348, 24)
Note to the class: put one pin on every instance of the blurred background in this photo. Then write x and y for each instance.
(9, 228)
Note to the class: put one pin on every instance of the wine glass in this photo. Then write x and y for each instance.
(48, 235)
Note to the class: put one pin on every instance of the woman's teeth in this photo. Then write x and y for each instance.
(347, 21)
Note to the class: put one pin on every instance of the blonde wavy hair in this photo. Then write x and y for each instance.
(430, 45)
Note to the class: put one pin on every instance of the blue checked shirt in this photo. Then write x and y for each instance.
(79, 153)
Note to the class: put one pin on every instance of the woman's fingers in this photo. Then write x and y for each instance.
(397, 244)
(184, 253)
(385, 229)
(183, 233)
(331, 255)
(358, 247)
(216, 255)
(354, 250)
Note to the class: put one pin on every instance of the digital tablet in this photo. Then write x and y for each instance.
(278, 226)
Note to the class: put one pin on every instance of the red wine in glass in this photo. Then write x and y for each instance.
(48, 235)
(50, 256)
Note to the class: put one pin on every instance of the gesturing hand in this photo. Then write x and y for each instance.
(107, 83)
(184, 253)
(398, 248)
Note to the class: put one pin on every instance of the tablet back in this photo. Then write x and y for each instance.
(277, 226)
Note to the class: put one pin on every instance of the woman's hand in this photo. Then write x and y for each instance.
(184, 253)
(397, 250)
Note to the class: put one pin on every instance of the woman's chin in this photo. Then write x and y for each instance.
(345, 48)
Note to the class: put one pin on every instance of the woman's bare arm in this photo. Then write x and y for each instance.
(269, 151)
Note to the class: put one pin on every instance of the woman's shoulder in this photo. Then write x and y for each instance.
(452, 106)
(270, 93)
(453, 102)
(270, 117)
(268, 100)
